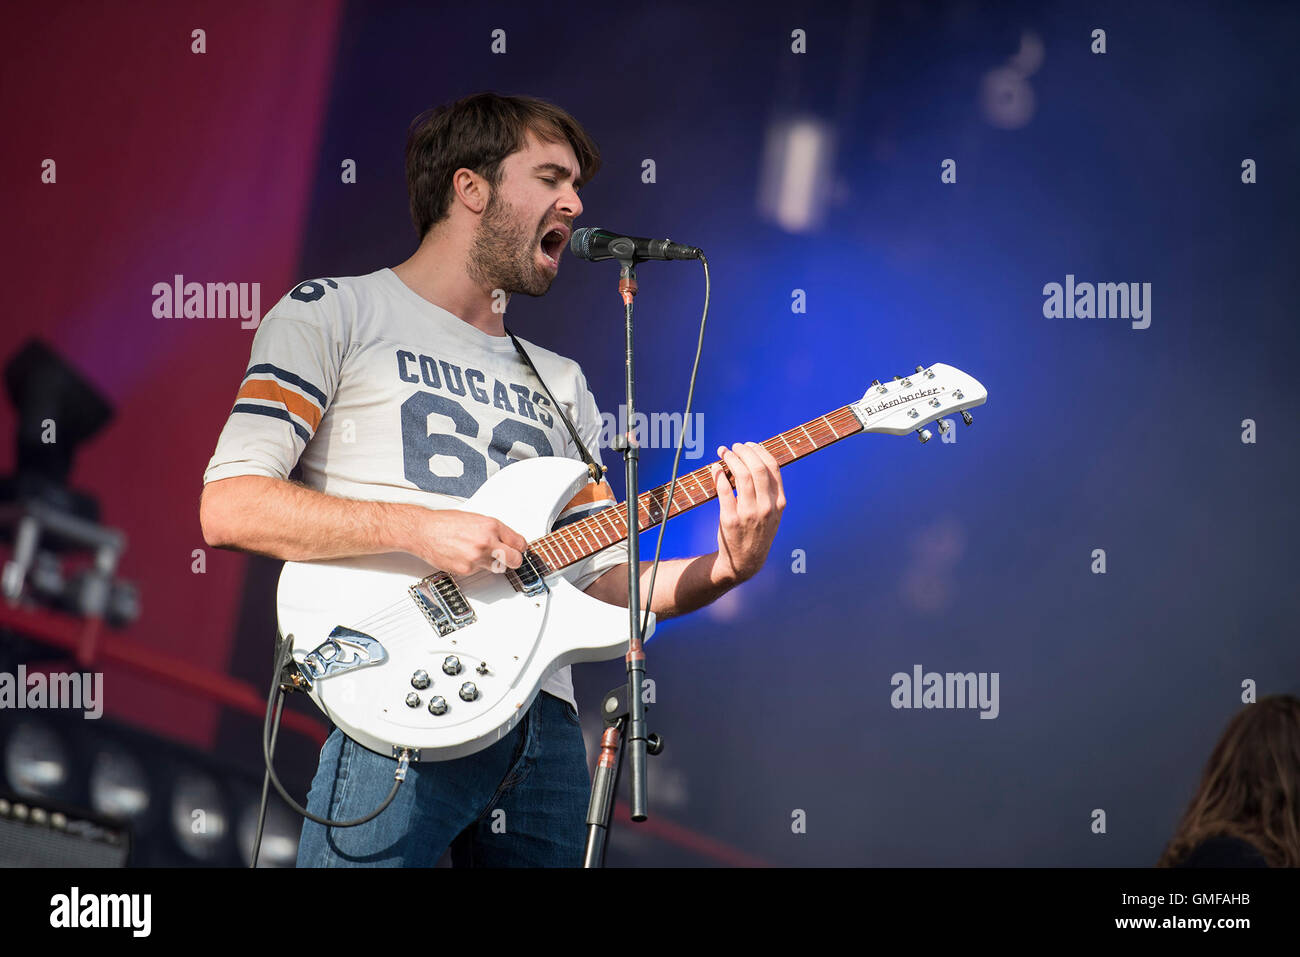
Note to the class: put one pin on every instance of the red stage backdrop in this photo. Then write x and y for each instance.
(167, 161)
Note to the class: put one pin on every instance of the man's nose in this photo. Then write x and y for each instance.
(571, 205)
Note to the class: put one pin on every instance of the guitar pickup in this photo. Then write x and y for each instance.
(440, 599)
(526, 578)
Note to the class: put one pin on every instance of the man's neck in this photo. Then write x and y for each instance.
(437, 272)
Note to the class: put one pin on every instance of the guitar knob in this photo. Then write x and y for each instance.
(420, 680)
(413, 700)
(468, 692)
(451, 665)
(966, 417)
(924, 435)
(437, 705)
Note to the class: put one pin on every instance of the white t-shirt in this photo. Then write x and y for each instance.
(377, 394)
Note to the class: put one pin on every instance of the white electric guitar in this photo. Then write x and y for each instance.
(402, 656)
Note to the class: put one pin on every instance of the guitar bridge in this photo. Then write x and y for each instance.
(439, 598)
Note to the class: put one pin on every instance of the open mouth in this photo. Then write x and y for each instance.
(552, 245)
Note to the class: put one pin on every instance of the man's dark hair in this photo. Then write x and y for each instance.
(478, 132)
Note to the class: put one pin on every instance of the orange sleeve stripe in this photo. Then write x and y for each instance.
(272, 391)
(591, 492)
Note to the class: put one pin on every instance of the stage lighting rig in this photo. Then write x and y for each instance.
(51, 526)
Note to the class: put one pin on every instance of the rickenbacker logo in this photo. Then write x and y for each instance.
(899, 400)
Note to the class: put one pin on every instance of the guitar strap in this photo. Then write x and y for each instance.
(596, 471)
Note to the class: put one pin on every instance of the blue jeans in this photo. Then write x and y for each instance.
(520, 803)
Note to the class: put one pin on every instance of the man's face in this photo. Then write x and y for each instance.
(516, 244)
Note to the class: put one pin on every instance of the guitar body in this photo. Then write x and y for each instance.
(378, 648)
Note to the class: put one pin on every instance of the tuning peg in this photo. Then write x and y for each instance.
(920, 368)
(966, 417)
(924, 435)
(943, 426)
(875, 382)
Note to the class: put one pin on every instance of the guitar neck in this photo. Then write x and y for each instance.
(577, 540)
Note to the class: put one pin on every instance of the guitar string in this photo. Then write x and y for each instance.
(595, 524)
(566, 536)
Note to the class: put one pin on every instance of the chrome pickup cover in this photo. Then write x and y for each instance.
(526, 578)
(442, 603)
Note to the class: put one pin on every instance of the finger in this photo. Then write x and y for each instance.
(758, 474)
(744, 482)
(504, 553)
(772, 464)
(774, 470)
(726, 501)
(512, 538)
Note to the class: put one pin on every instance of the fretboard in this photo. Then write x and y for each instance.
(576, 540)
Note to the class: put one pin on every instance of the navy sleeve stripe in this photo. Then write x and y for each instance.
(275, 414)
(290, 378)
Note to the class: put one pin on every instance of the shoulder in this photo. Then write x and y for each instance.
(552, 364)
(332, 293)
(329, 302)
(1224, 851)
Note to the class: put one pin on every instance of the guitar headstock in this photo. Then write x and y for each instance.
(908, 403)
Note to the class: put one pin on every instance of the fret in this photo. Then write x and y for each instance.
(605, 532)
(607, 527)
(541, 550)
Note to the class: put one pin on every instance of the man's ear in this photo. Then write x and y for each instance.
(471, 189)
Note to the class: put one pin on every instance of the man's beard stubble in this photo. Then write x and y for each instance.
(502, 256)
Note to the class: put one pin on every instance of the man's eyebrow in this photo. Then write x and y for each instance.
(555, 168)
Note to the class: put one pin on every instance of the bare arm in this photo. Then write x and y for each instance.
(681, 585)
(291, 522)
(748, 519)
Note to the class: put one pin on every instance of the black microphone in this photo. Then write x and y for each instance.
(596, 244)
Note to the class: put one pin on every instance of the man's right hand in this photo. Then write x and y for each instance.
(288, 521)
(462, 542)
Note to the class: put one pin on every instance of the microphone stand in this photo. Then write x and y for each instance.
(623, 708)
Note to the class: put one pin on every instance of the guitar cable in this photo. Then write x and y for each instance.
(271, 730)
(672, 484)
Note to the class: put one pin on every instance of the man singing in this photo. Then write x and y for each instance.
(396, 395)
